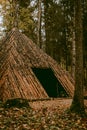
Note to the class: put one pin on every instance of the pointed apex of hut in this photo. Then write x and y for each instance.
(28, 72)
(15, 29)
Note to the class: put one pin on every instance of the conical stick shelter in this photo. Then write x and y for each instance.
(28, 72)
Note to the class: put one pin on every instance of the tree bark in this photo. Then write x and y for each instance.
(16, 9)
(47, 46)
(39, 24)
(73, 53)
(78, 99)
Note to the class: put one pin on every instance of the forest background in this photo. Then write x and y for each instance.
(50, 24)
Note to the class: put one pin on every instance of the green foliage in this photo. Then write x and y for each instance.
(55, 30)
(24, 3)
(24, 17)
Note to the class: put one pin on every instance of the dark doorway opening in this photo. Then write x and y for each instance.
(49, 82)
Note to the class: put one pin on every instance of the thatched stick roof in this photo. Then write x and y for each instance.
(18, 54)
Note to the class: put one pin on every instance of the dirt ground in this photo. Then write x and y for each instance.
(54, 103)
(62, 103)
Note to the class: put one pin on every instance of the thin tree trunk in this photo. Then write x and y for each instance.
(39, 24)
(46, 27)
(78, 99)
(73, 53)
(86, 79)
(16, 9)
(73, 46)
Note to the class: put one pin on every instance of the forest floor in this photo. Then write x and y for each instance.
(43, 115)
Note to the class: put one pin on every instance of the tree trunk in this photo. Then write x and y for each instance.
(39, 24)
(73, 53)
(16, 9)
(78, 99)
(73, 46)
(47, 46)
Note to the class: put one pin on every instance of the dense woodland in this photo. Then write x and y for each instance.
(51, 24)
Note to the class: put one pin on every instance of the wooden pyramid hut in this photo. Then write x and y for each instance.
(29, 73)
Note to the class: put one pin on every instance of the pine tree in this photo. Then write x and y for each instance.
(54, 28)
(20, 14)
